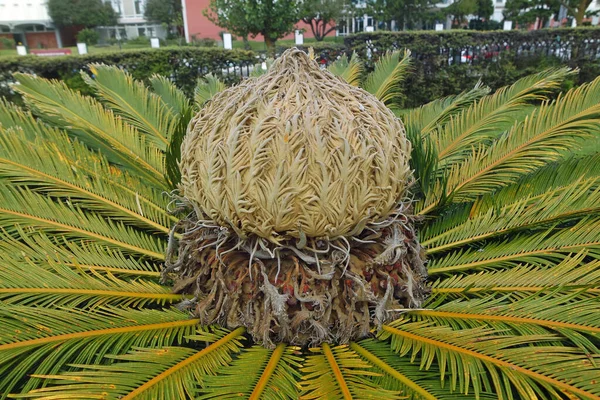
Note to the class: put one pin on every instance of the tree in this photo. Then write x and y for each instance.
(577, 9)
(321, 15)
(460, 9)
(88, 13)
(272, 19)
(484, 9)
(407, 14)
(512, 240)
(166, 12)
(526, 12)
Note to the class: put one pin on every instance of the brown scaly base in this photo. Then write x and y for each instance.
(295, 298)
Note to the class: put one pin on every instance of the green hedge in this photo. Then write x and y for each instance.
(499, 58)
(183, 64)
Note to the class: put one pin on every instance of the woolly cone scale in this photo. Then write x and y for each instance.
(299, 226)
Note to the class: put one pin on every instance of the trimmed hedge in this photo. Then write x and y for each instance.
(449, 62)
(182, 64)
(445, 63)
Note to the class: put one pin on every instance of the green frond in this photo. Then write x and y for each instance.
(538, 247)
(15, 118)
(38, 341)
(349, 70)
(530, 364)
(180, 105)
(571, 274)
(542, 138)
(400, 374)
(39, 166)
(49, 283)
(147, 373)
(40, 248)
(340, 373)
(384, 82)
(206, 88)
(133, 101)
(490, 116)
(564, 314)
(97, 127)
(82, 160)
(26, 208)
(267, 374)
(172, 96)
(428, 117)
(469, 224)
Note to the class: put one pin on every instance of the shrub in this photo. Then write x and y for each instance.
(6, 43)
(88, 36)
(183, 64)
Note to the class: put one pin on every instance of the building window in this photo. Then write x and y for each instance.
(138, 7)
(142, 31)
(116, 4)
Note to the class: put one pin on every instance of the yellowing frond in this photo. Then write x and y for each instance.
(134, 102)
(151, 373)
(99, 128)
(349, 70)
(339, 373)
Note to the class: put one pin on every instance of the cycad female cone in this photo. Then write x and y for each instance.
(300, 228)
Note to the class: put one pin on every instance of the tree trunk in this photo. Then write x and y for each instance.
(246, 42)
(579, 16)
(270, 43)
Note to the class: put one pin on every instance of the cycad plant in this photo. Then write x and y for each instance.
(94, 303)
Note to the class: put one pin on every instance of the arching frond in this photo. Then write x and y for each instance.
(572, 273)
(349, 70)
(39, 166)
(83, 160)
(428, 117)
(84, 117)
(40, 248)
(23, 207)
(565, 314)
(580, 198)
(555, 128)
(49, 283)
(206, 88)
(267, 374)
(133, 101)
(172, 96)
(529, 364)
(340, 373)
(384, 82)
(539, 247)
(37, 340)
(400, 374)
(492, 115)
(152, 373)
(14, 117)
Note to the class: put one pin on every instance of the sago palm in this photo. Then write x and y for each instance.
(112, 263)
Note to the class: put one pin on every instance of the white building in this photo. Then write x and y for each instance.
(131, 22)
(28, 22)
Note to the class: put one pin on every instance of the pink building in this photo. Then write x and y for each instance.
(197, 25)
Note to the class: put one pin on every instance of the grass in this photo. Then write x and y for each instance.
(237, 44)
